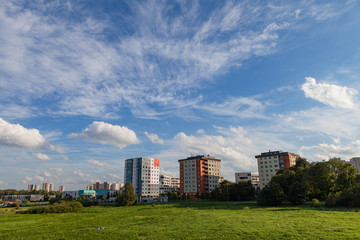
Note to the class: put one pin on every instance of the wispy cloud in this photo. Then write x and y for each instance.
(161, 58)
(97, 163)
(41, 156)
(106, 133)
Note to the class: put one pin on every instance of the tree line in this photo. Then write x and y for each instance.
(333, 181)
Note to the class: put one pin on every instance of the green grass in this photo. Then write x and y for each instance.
(186, 221)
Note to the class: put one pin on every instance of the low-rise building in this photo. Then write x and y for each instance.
(168, 183)
(248, 176)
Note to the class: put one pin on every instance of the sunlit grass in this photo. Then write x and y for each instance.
(185, 221)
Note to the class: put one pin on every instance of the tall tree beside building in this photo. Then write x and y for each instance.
(128, 197)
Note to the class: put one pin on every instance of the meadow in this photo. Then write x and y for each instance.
(186, 221)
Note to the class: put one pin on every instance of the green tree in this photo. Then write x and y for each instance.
(128, 197)
(297, 193)
(271, 195)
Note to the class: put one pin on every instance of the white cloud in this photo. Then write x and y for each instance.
(47, 174)
(95, 77)
(97, 163)
(114, 176)
(39, 178)
(80, 173)
(154, 138)
(41, 156)
(58, 171)
(325, 151)
(200, 131)
(330, 94)
(106, 133)
(17, 135)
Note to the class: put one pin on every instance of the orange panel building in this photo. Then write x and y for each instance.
(199, 174)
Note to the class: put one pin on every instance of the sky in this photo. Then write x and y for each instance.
(85, 85)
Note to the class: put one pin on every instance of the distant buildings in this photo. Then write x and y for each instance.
(105, 186)
(49, 187)
(355, 161)
(168, 183)
(248, 176)
(61, 189)
(33, 187)
(271, 162)
(199, 174)
(116, 186)
(143, 173)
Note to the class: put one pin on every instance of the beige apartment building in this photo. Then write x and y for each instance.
(269, 163)
(199, 174)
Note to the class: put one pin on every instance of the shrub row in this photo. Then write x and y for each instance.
(63, 207)
(346, 198)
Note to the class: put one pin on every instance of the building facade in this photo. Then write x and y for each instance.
(33, 187)
(61, 189)
(199, 174)
(143, 173)
(116, 186)
(168, 183)
(269, 163)
(355, 161)
(49, 187)
(248, 176)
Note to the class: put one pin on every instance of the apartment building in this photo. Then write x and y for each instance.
(355, 161)
(49, 187)
(33, 187)
(269, 163)
(143, 173)
(116, 186)
(168, 183)
(61, 189)
(248, 176)
(199, 174)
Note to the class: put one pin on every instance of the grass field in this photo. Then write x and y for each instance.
(185, 221)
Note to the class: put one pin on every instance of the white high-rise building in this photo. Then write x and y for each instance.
(143, 173)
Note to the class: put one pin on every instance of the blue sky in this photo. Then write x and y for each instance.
(85, 85)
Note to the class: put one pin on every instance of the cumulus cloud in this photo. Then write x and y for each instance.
(97, 163)
(41, 156)
(330, 94)
(17, 135)
(325, 151)
(106, 133)
(154, 138)
(47, 174)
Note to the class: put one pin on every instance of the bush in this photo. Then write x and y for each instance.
(56, 208)
(271, 195)
(315, 202)
(331, 201)
(88, 202)
(54, 200)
